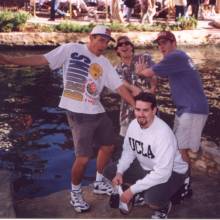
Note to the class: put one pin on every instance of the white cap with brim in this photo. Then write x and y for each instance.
(103, 31)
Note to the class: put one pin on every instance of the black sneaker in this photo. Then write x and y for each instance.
(185, 191)
(139, 200)
(162, 213)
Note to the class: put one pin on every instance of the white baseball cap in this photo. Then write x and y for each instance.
(102, 30)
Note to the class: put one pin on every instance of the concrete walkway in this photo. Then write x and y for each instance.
(205, 203)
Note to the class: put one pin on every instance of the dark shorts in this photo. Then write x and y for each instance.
(158, 195)
(90, 132)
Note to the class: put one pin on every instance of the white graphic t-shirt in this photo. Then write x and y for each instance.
(84, 76)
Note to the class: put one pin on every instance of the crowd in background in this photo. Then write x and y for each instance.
(121, 10)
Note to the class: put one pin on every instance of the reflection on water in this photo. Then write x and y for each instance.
(42, 151)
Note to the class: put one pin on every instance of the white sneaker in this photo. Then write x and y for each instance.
(77, 201)
(102, 187)
(162, 213)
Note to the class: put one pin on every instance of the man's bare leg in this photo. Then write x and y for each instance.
(104, 154)
(78, 169)
(77, 173)
(100, 186)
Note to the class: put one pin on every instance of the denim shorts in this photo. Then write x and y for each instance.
(90, 131)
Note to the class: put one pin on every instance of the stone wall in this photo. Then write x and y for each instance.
(142, 39)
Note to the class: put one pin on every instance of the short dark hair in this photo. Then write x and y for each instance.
(146, 97)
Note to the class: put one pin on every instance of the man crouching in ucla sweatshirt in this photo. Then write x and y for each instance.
(150, 161)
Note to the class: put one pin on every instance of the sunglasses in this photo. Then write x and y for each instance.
(126, 43)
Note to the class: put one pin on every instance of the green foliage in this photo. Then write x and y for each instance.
(46, 28)
(118, 27)
(15, 21)
(12, 21)
(181, 24)
(189, 23)
(68, 27)
(20, 18)
(39, 28)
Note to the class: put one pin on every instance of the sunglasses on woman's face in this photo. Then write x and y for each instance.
(126, 43)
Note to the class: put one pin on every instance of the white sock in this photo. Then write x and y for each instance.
(99, 176)
(75, 187)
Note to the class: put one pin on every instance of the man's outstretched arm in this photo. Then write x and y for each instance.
(33, 60)
(125, 94)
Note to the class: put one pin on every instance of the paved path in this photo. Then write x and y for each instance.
(205, 203)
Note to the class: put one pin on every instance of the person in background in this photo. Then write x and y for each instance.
(212, 4)
(195, 5)
(150, 12)
(128, 8)
(116, 10)
(85, 73)
(40, 4)
(186, 92)
(160, 170)
(180, 8)
(207, 9)
(54, 8)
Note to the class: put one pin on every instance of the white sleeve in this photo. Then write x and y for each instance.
(162, 170)
(113, 80)
(127, 156)
(57, 57)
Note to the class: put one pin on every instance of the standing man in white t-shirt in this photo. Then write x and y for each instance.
(85, 72)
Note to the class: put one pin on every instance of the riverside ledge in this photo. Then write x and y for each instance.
(203, 35)
(6, 198)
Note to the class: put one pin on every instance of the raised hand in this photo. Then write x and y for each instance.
(140, 65)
